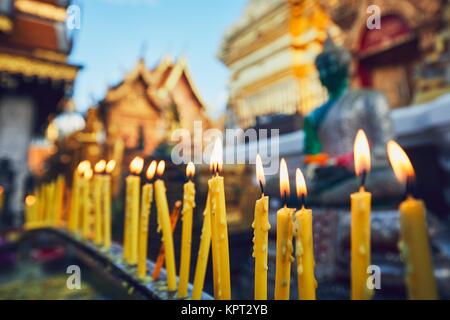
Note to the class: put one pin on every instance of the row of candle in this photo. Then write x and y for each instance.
(414, 243)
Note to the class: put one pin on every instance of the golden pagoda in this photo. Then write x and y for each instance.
(270, 52)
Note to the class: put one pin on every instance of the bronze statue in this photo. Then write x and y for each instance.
(330, 131)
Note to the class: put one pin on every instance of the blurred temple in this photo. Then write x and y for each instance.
(145, 108)
(271, 49)
(34, 77)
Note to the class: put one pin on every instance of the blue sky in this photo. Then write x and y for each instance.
(113, 33)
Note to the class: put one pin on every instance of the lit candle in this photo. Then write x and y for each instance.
(360, 222)
(74, 218)
(86, 203)
(284, 239)
(304, 247)
(133, 185)
(203, 254)
(30, 212)
(97, 190)
(414, 242)
(164, 224)
(186, 233)
(219, 228)
(107, 204)
(261, 228)
(146, 206)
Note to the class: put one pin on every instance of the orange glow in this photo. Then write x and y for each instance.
(110, 166)
(136, 165)
(161, 168)
(88, 174)
(100, 166)
(400, 162)
(260, 171)
(216, 161)
(30, 200)
(361, 153)
(83, 166)
(300, 184)
(1, 189)
(190, 170)
(151, 170)
(285, 189)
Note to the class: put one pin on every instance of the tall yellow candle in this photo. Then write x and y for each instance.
(164, 224)
(59, 200)
(414, 242)
(186, 235)
(284, 240)
(74, 218)
(146, 206)
(304, 247)
(99, 169)
(360, 223)
(31, 220)
(203, 254)
(133, 185)
(85, 187)
(261, 228)
(106, 203)
(219, 223)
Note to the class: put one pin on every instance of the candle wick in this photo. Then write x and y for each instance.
(261, 186)
(363, 179)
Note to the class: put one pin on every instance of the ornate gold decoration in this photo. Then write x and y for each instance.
(30, 67)
(50, 55)
(42, 10)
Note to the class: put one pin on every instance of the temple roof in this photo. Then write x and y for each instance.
(159, 82)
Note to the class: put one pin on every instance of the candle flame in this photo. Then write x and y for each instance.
(300, 184)
(83, 166)
(110, 166)
(285, 189)
(151, 170)
(100, 166)
(400, 162)
(161, 168)
(30, 200)
(190, 170)
(1, 189)
(88, 174)
(136, 165)
(260, 171)
(216, 161)
(361, 153)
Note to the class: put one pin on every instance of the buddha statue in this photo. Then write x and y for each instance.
(330, 131)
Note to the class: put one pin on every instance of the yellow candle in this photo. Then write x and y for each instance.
(219, 224)
(30, 212)
(59, 200)
(146, 206)
(186, 235)
(74, 218)
(106, 202)
(284, 240)
(261, 228)
(304, 247)
(133, 185)
(203, 253)
(86, 203)
(98, 212)
(360, 223)
(414, 242)
(164, 224)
